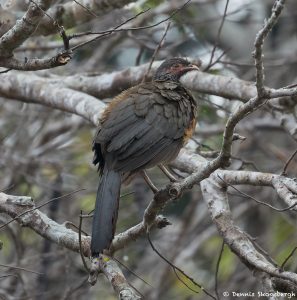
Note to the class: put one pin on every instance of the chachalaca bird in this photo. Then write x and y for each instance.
(144, 126)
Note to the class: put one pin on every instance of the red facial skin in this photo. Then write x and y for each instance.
(181, 69)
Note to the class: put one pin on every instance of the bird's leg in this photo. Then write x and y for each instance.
(170, 176)
(149, 182)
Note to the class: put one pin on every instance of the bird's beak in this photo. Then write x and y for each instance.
(193, 67)
(190, 67)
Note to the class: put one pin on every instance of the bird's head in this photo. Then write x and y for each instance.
(172, 69)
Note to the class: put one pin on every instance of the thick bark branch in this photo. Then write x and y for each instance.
(115, 276)
(40, 223)
(33, 89)
(33, 218)
(24, 207)
(109, 85)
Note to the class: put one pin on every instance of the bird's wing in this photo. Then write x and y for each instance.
(142, 127)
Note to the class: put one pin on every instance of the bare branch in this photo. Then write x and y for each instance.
(33, 89)
(259, 41)
(114, 275)
(23, 28)
(122, 239)
(71, 14)
(19, 268)
(217, 270)
(284, 172)
(179, 270)
(156, 52)
(86, 9)
(40, 223)
(108, 85)
(34, 64)
(102, 34)
(261, 202)
(288, 257)
(210, 64)
(215, 196)
(17, 207)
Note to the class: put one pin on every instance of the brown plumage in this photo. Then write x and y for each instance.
(142, 127)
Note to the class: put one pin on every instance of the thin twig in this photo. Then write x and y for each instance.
(160, 44)
(217, 270)
(74, 289)
(109, 31)
(49, 16)
(80, 246)
(218, 36)
(21, 269)
(117, 29)
(103, 33)
(60, 28)
(86, 9)
(7, 189)
(127, 194)
(256, 200)
(67, 223)
(5, 71)
(284, 172)
(175, 268)
(289, 256)
(132, 272)
(183, 282)
(8, 275)
(245, 162)
(217, 59)
(291, 85)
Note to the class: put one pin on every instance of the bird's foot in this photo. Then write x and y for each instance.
(149, 182)
(170, 176)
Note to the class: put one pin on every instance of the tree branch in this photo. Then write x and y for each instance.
(214, 193)
(23, 209)
(259, 41)
(33, 89)
(40, 223)
(35, 64)
(71, 14)
(23, 28)
(114, 275)
(109, 85)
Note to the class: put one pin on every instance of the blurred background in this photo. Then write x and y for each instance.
(46, 153)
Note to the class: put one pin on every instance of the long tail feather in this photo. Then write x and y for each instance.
(106, 211)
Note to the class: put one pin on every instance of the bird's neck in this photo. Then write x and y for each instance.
(167, 84)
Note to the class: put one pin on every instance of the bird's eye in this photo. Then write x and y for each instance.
(175, 66)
